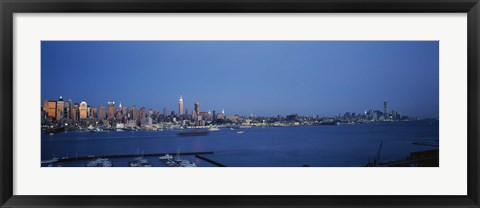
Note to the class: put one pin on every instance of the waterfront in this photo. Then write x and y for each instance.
(315, 146)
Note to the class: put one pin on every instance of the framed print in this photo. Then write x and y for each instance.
(241, 103)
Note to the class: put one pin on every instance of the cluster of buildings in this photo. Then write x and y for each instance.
(368, 116)
(67, 114)
(374, 115)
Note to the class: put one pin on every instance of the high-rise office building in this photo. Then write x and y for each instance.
(45, 106)
(165, 113)
(89, 112)
(60, 108)
(83, 110)
(68, 108)
(194, 115)
(52, 109)
(118, 113)
(197, 108)
(124, 110)
(142, 113)
(385, 109)
(111, 110)
(74, 112)
(180, 106)
(101, 112)
(133, 113)
(93, 112)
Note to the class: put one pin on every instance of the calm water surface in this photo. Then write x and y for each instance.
(320, 146)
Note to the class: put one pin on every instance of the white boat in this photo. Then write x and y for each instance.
(232, 128)
(240, 132)
(100, 162)
(214, 129)
(171, 163)
(177, 161)
(165, 157)
(139, 162)
(186, 163)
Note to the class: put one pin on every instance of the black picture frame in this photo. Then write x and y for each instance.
(9, 7)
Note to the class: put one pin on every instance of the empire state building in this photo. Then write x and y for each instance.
(180, 106)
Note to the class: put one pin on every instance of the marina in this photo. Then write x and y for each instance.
(313, 146)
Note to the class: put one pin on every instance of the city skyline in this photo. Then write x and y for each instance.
(109, 112)
(267, 88)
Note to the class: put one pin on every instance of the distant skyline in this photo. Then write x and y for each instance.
(263, 78)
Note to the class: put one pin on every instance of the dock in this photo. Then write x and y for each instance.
(210, 161)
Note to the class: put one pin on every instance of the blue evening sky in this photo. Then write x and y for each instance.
(247, 77)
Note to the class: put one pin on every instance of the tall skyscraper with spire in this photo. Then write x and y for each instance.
(180, 106)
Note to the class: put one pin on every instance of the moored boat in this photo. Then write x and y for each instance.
(100, 162)
(165, 157)
(214, 129)
(139, 162)
(193, 133)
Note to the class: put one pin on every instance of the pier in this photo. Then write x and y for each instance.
(210, 161)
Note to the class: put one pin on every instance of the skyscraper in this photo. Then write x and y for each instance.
(124, 111)
(60, 108)
(385, 109)
(102, 112)
(156, 114)
(52, 109)
(111, 110)
(133, 112)
(165, 113)
(93, 112)
(142, 113)
(119, 111)
(74, 112)
(83, 110)
(197, 108)
(68, 108)
(180, 106)
(45, 105)
(89, 112)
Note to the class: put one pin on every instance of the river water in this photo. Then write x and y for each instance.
(316, 146)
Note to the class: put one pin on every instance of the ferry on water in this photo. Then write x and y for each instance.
(193, 133)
